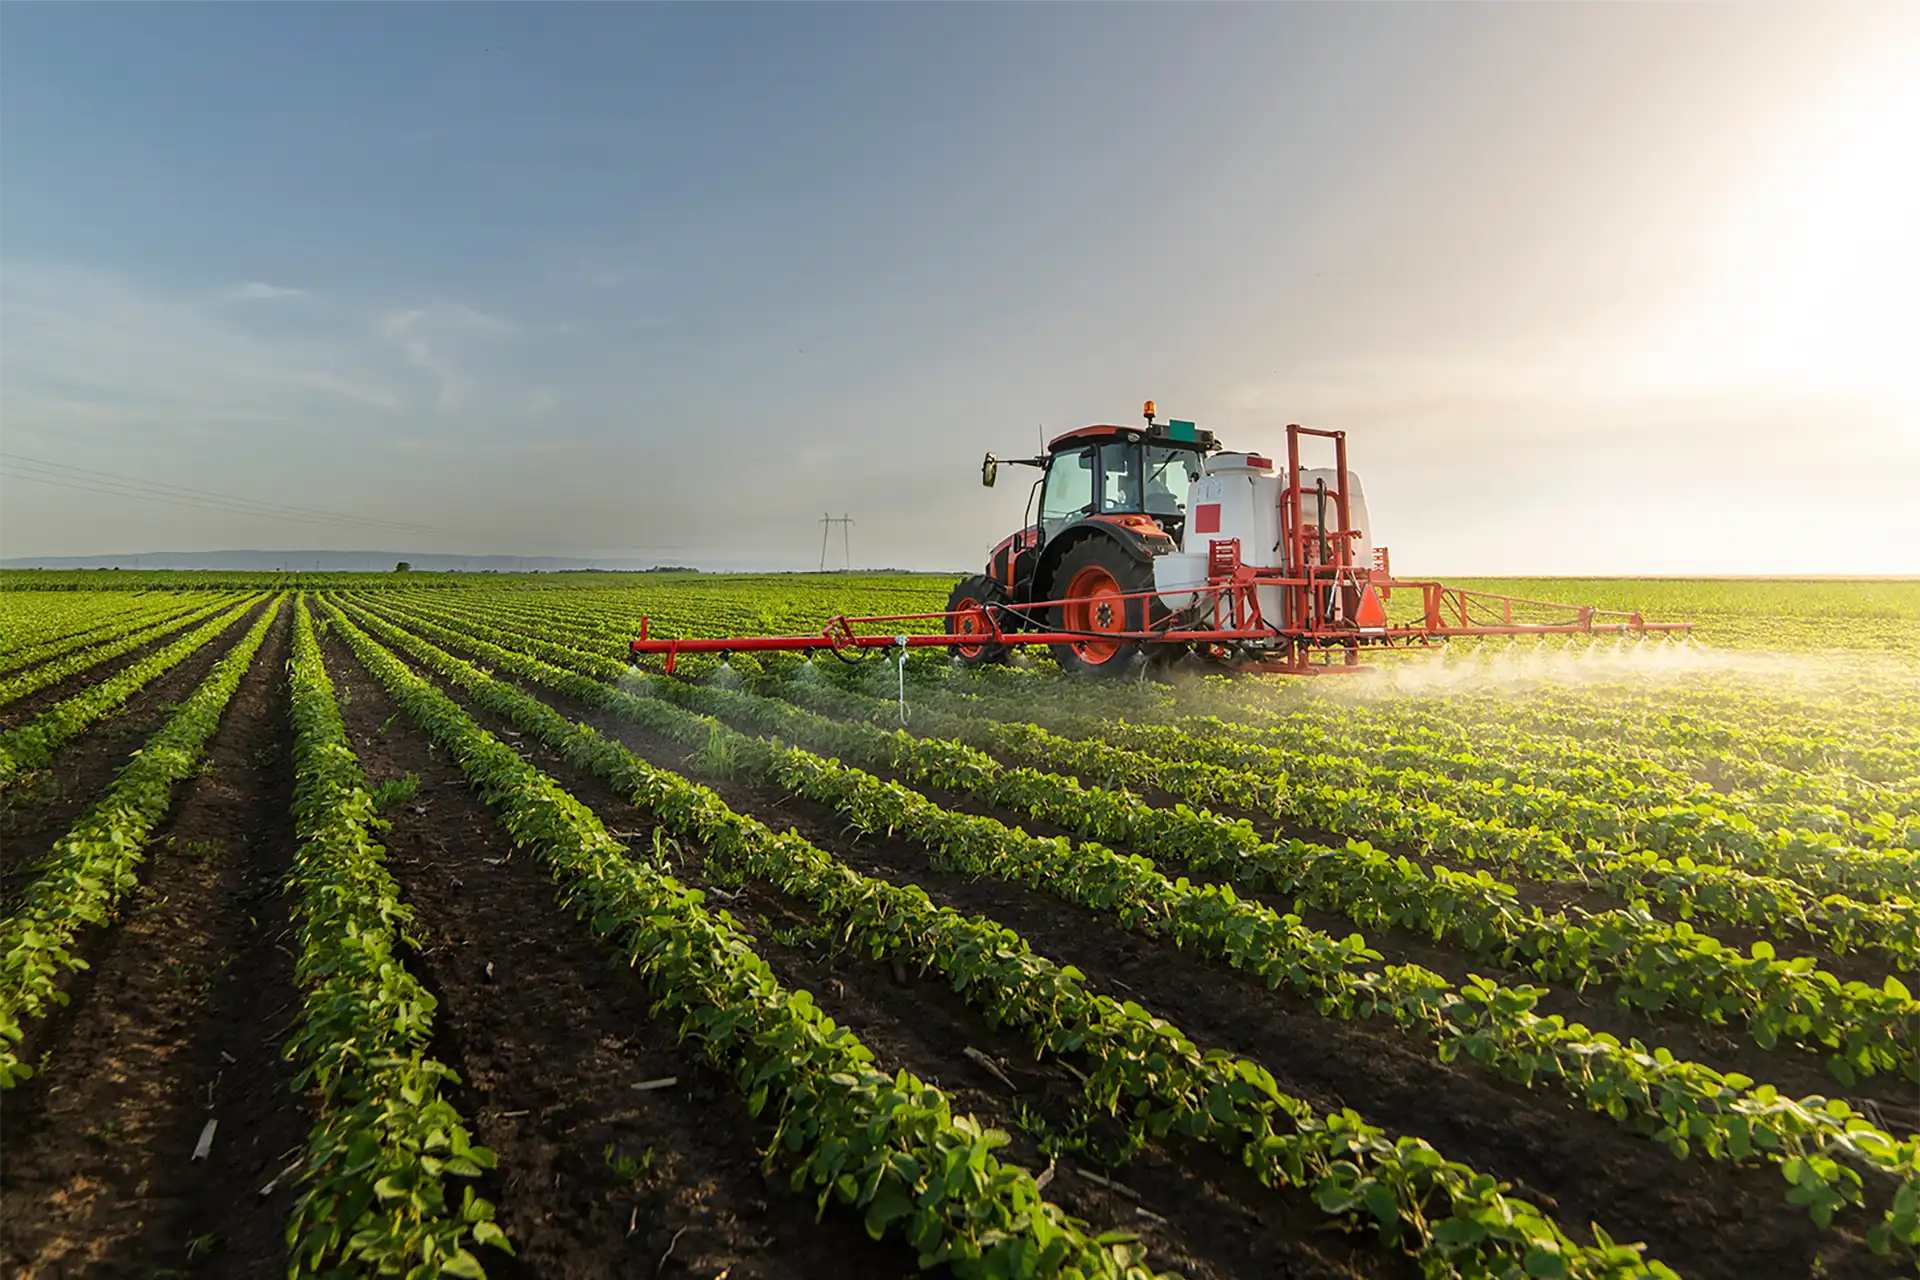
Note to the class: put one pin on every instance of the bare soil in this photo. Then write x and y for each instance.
(550, 1032)
(1703, 1220)
(190, 998)
(178, 1022)
(40, 807)
(25, 708)
(1199, 1213)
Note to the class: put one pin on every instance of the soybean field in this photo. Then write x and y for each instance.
(397, 924)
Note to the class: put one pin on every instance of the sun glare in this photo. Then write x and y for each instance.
(1820, 258)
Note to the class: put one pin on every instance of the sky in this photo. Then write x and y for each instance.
(1604, 289)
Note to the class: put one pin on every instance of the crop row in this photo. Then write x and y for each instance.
(1676, 753)
(1679, 1103)
(1528, 765)
(1540, 794)
(50, 673)
(29, 618)
(1438, 808)
(34, 744)
(1188, 766)
(386, 1139)
(1675, 820)
(1869, 1029)
(1766, 791)
(1861, 746)
(1656, 965)
(1435, 809)
(889, 1146)
(1184, 770)
(1455, 1218)
(57, 640)
(91, 867)
(598, 620)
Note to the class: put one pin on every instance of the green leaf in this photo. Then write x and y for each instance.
(1545, 1264)
(463, 1265)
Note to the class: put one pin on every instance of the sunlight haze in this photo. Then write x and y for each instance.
(1592, 289)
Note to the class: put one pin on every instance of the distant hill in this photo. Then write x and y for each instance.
(317, 561)
(383, 561)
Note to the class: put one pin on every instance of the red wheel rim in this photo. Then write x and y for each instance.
(967, 624)
(1094, 603)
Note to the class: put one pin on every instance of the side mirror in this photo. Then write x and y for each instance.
(989, 471)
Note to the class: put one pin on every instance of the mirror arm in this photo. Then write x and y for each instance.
(990, 467)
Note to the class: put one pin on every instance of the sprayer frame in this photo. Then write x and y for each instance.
(1326, 605)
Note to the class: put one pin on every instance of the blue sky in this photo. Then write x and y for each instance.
(1594, 289)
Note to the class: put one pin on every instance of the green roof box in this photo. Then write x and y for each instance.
(1178, 430)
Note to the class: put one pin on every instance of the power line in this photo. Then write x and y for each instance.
(89, 480)
(68, 471)
(196, 504)
(188, 489)
(116, 493)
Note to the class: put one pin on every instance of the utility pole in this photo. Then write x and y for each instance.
(846, 537)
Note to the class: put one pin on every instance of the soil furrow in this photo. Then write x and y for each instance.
(40, 807)
(1218, 1221)
(1723, 1047)
(26, 707)
(550, 1033)
(1703, 1220)
(178, 1022)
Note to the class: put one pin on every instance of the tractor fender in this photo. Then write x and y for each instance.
(1138, 536)
(1007, 563)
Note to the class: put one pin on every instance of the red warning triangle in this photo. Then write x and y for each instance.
(1372, 613)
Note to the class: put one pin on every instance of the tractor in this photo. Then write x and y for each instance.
(1148, 545)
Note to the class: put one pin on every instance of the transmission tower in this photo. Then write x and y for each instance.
(846, 538)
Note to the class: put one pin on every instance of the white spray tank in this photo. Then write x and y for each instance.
(1240, 496)
(1237, 496)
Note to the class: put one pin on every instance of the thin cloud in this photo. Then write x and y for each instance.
(430, 339)
(407, 330)
(373, 397)
(615, 277)
(605, 267)
(91, 348)
(260, 291)
(482, 321)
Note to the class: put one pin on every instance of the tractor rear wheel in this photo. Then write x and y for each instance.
(1091, 584)
(976, 592)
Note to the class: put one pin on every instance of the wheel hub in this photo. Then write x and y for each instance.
(1093, 604)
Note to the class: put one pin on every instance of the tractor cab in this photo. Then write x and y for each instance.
(1109, 471)
(1109, 500)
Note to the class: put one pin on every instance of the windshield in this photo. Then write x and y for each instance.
(1170, 473)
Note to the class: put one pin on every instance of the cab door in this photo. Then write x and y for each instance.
(1120, 478)
(1067, 493)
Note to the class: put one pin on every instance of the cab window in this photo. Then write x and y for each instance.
(1119, 477)
(1069, 489)
(1170, 473)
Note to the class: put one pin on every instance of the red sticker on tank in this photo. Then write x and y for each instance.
(1206, 518)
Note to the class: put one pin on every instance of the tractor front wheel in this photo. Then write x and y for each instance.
(1091, 585)
(976, 592)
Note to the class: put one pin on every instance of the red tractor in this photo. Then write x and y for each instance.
(1110, 500)
(1153, 543)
